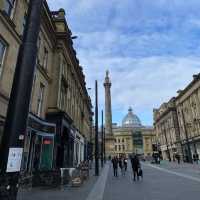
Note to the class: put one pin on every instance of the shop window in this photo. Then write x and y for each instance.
(2, 53)
(7, 6)
(47, 154)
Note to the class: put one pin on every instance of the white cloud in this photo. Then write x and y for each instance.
(152, 48)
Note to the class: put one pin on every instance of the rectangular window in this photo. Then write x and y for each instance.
(40, 100)
(45, 59)
(7, 6)
(2, 54)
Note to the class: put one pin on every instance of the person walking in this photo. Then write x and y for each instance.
(125, 163)
(115, 166)
(135, 166)
(121, 165)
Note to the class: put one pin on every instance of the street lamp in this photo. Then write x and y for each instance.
(11, 147)
(96, 132)
(104, 145)
(102, 140)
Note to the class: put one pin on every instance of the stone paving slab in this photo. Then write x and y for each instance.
(186, 168)
(156, 185)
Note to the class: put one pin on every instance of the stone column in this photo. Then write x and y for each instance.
(109, 138)
(108, 111)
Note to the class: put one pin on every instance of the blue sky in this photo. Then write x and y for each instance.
(151, 48)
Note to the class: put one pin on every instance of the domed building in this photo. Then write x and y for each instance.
(131, 120)
(132, 137)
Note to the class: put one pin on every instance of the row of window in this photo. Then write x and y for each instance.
(119, 140)
(119, 147)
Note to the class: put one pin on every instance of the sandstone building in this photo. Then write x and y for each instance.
(167, 129)
(60, 119)
(177, 123)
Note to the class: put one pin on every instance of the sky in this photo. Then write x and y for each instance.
(150, 47)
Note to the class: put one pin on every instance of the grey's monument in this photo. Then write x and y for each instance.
(109, 138)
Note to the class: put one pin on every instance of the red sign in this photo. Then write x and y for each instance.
(46, 141)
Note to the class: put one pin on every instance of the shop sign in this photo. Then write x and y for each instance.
(46, 141)
(14, 159)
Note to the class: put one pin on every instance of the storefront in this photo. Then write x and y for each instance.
(38, 145)
(64, 145)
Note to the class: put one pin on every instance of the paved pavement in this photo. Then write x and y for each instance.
(167, 181)
(64, 193)
(158, 184)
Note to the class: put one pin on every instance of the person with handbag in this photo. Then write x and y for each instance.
(135, 166)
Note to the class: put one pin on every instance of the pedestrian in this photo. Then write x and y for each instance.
(125, 163)
(135, 166)
(178, 158)
(115, 166)
(121, 165)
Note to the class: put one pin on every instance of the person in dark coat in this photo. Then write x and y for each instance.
(115, 166)
(125, 163)
(135, 166)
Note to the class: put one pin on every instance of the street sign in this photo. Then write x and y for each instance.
(14, 159)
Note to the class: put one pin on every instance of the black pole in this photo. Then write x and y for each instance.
(96, 132)
(187, 139)
(18, 108)
(102, 140)
(104, 145)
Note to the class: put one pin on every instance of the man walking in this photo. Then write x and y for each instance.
(135, 166)
(115, 166)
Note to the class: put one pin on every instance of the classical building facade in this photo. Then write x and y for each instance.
(60, 119)
(167, 130)
(132, 137)
(177, 123)
(188, 111)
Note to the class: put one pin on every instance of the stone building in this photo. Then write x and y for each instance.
(167, 129)
(60, 120)
(177, 123)
(188, 111)
(132, 136)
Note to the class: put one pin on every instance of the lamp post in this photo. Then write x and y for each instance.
(96, 132)
(102, 140)
(104, 144)
(11, 147)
